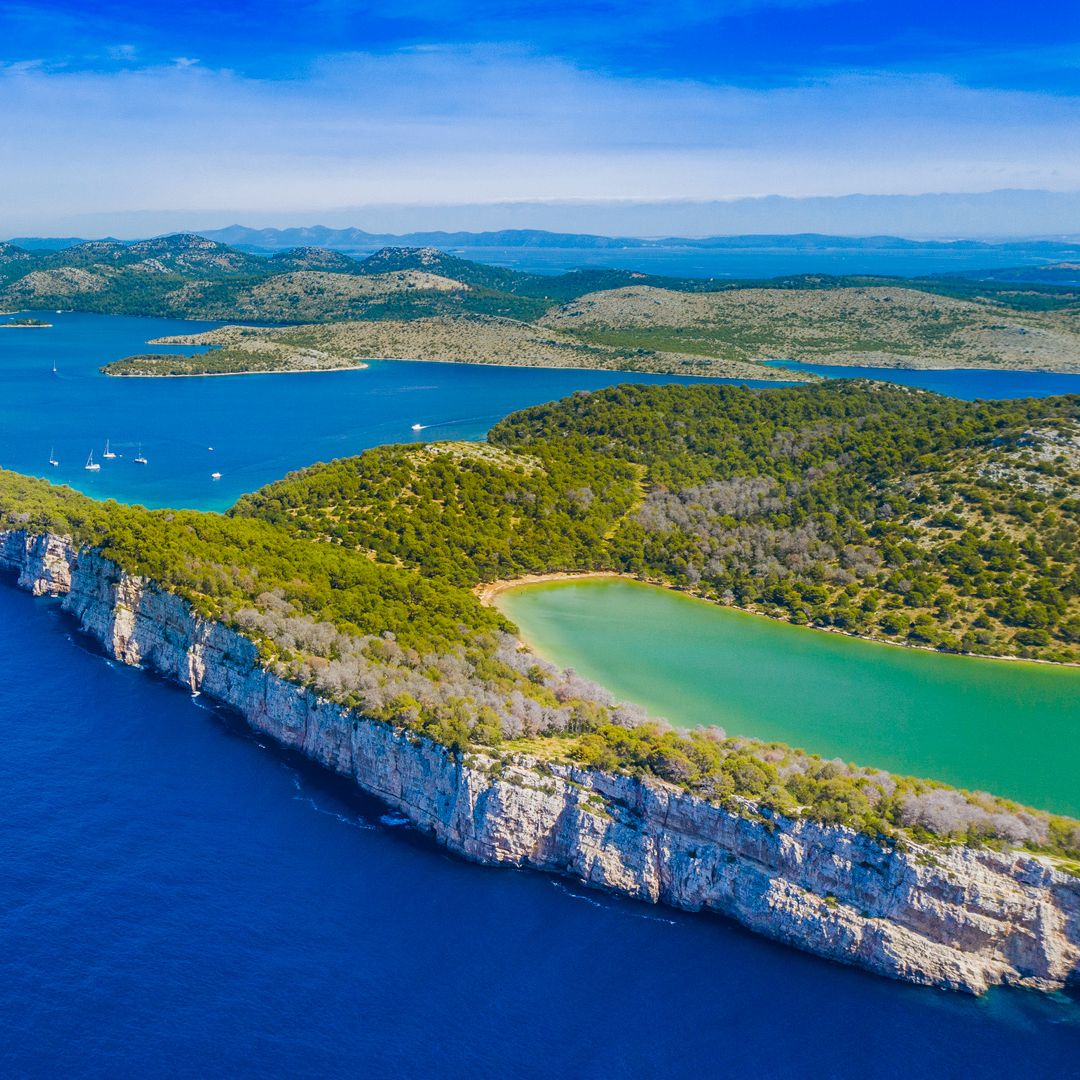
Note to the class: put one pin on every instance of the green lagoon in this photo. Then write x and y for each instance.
(1007, 727)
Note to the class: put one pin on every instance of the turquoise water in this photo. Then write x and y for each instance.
(1009, 728)
(259, 426)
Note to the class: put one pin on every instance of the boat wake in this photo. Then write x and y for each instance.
(613, 908)
(353, 822)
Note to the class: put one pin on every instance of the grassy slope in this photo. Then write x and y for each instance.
(472, 339)
(878, 326)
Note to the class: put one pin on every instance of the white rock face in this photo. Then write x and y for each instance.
(961, 918)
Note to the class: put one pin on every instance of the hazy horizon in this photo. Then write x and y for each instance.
(988, 216)
(142, 120)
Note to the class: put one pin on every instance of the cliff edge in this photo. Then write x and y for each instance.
(951, 916)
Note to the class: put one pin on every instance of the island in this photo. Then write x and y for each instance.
(337, 611)
(456, 339)
(25, 324)
(427, 304)
(229, 361)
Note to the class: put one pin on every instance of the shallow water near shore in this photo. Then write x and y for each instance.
(1012, 728)
(178, 899)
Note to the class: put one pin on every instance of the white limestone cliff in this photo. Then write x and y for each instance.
(956, 917)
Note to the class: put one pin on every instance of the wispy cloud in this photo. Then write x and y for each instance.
(486, 123)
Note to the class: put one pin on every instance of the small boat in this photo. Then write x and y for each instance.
(108, 453)
(139, 459)
(91, 464)
(418, 427)
(215, 476)
(52, 458)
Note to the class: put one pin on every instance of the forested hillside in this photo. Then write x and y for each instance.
(893, 513)
(883, 512)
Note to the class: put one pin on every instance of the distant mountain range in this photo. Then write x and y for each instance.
(355, 240)
(1004, 214)
(352, 239)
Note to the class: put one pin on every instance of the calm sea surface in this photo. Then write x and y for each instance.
(964, 383)
(258, 426)
(1010, 728)
(765, 262)
(178, 899)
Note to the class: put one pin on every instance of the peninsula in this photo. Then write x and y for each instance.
(230, 361)
(335, 610)
(459, 339)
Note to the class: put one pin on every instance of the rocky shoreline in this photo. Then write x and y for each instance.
(954, 917)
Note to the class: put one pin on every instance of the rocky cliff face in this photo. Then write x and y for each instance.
(960, 918)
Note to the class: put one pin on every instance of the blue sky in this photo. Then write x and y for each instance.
(293, 111)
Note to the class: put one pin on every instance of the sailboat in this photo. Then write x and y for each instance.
(139, 459)
(52, 457)
(91, 464)
(108, 453)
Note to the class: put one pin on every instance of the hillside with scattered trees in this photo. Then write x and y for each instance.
(596, 317)
(884, 512)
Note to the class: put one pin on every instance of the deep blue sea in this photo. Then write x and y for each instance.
(179, 899)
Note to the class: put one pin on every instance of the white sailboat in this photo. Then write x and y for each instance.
(139, 459)
(52, 457)
(91, 464)
(108, 453)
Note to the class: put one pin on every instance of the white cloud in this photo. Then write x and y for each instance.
(441, 124)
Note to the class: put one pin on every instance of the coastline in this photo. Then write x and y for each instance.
(807, 377)
(915, 363)
(488, 591)
(223, 374)
(951, 916)
(761, 371)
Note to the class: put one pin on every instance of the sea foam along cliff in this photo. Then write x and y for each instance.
(954, 917)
